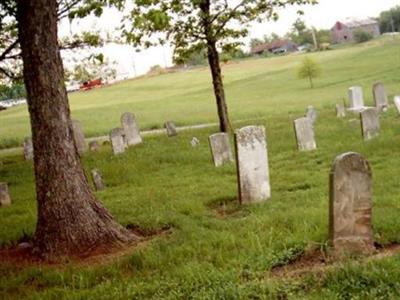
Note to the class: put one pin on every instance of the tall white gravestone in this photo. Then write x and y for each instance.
(356, 99)
(252, 164)
(350, 205)
(117, 141)
(380, 96)
(220, 149)
(131, 129)
(305, 137)
(370, 125)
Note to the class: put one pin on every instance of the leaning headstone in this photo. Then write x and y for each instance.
(97, 180)
(304, 134)
(252, 164)
(79, 137)
(350, 226)
(397, 103)
(94, 146)
(220, 149)
(311, 114)
(340, 111)
(194, 142)
(356, 99)
(28, 149)
(117, 141)
(370, 123)
(380, 96)
(171, 129)
(5, 198)
(131, 128)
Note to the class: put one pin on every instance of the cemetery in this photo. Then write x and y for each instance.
(299, 200)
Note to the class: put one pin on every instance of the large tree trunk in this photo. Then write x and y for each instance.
(71, 222)
(213, 61)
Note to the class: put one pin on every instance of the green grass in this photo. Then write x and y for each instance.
(254, 88)
(166, 181)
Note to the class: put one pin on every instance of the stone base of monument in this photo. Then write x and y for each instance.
(357, 110)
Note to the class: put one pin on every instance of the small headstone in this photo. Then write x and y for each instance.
(370, 123)
(28, 149)
(194, 142)
(304, 134)
(94, 146)
(5, 198)
(397, 103)
(356, 99)
(220, 149)
(79, 137)
(252, 164)
(350, 226)
(97, 180)
(380, 96)
(131, 128)
(340, 111)
(171, 129)
(117, 141)
(311, 114)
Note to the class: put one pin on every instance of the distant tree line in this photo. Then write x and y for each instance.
(14, 91)
(389, 20)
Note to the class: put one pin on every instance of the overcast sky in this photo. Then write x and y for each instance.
(322, 16)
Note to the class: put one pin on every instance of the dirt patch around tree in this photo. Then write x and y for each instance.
(319, 261)
(22, 255)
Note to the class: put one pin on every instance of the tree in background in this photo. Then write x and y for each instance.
(191, 25)
(310, 70)
(71, 222)
(389, 21)
(362, 36)
(302, 35)
(93, 67)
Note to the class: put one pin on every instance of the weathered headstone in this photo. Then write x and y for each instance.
(252, 164)
(194, 142)
(311, 114)
(304, 134)
(340, 111)
(350, 226)
(28, 149)
(380, 96)
(117, 140)
(356, 99)
(397, 103)
(94, 146)
(370, 123)
(220, 149)
(171, 129)
(131, 128)
(79, 137)
(5, 198)
(97, 180)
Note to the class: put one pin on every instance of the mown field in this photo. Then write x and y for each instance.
(255, 88)
(217, 249)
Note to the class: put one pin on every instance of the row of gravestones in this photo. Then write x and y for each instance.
(350, 186)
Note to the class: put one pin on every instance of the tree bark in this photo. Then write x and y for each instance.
(214, 62)
(71, 222)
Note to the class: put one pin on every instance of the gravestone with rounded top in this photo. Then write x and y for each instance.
(28, 149)
(340, 111)
(397, 103)
(131, 129)
(304, 132)
(370, 125)
(311, 114)
(5, 198)
(220, 148)
(79, 137)
(380, 96)
(356, 99)
(350, 205)
(252, 164)
(97, 180)
(171, 128)
(117, 141)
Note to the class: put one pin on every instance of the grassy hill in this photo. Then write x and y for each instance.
(255, 88)
(217, 249)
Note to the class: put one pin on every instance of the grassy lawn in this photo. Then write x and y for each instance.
(218, 249)
(255, 88)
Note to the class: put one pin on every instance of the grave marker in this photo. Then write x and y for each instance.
(171, 129)
(304, 134)
(370, 123)
(28, 149)
(5, 198)
(131, 129)
(79, 137)
(380, 96)
(220, 148)
(117, 141)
